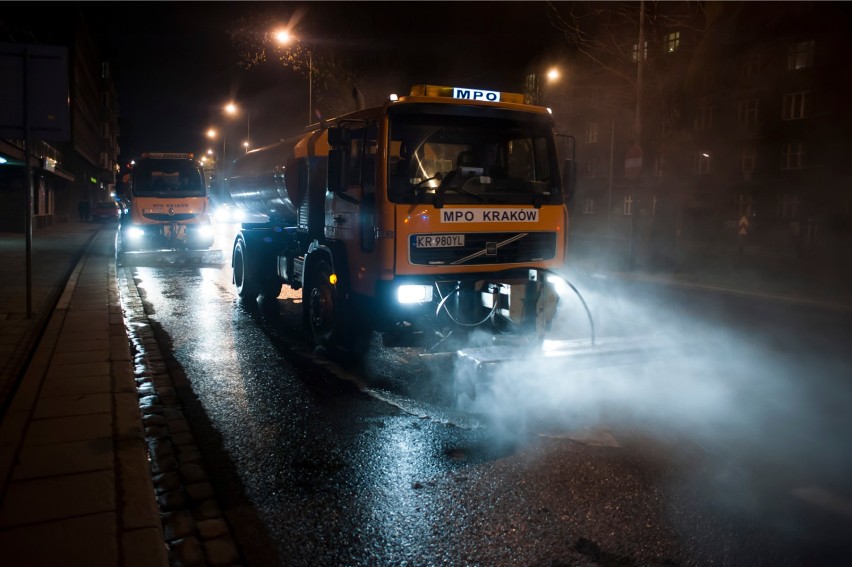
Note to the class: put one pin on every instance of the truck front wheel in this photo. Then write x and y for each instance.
(333, 321)
(322, 306)
(245, 279)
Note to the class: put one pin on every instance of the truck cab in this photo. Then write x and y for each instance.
(169, 205)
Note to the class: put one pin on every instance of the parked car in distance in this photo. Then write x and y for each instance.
(106, 211)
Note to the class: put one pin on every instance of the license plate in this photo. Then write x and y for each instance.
(439, 240)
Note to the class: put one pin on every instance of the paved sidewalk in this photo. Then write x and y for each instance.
(75, 481)
(55, 252)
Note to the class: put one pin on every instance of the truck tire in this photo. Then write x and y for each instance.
(333, 320)
(271, 287)
(245, 278)
(322, 306)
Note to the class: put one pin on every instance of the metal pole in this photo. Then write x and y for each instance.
(29, 187)
(310, 87)
(248, 129)
(640, 65)
(611, 157)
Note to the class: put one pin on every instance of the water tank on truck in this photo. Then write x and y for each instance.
(264, 182)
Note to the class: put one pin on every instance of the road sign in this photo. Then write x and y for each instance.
(743, 229)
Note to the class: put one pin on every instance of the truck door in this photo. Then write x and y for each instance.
(350, 213)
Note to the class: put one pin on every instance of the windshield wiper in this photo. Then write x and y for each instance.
(445, 186)
(420, 188)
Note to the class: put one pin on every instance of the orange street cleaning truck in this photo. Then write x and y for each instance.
(437, 219)
(168, 220)
(431, 219)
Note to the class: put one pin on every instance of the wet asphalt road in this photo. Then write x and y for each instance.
(727, 455)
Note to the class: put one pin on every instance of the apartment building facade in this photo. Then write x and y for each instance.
(739, 111)
(64, 173)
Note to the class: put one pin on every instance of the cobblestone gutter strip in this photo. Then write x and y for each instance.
(194, 527)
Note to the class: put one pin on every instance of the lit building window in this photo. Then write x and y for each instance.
(672, 41)
(702, 163)
(795, 105)
(743, 205)
(590, 167)
(659, 166)
(748, 158)
(747, 111)
(793, 156)
(591, 133)
(704, 118)
(635, 55)
(800, 55)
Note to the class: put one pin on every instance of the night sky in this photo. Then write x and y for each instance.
(176, 64)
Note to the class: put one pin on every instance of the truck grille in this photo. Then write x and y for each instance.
(165, 217)
(487, 248)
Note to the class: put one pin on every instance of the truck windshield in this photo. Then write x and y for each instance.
(502, 157)
(167, 177)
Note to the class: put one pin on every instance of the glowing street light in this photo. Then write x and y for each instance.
(537, 83)
(552, 75)
(232, 109)
(284, 37)
(212, 133)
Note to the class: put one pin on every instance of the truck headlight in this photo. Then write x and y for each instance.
(414, 293)
(560, 286)
(205, 230)
(227, 213)
(134, 233)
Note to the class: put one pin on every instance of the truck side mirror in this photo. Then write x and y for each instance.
(569, 178)
(334, 179)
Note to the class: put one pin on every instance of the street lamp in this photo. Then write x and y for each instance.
(284, 37)
(232, 109)
(552, 75)
(212, 133)
(538, 80)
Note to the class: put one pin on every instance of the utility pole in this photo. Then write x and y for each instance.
(611, 159)
(310, 87)
(640, 64)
